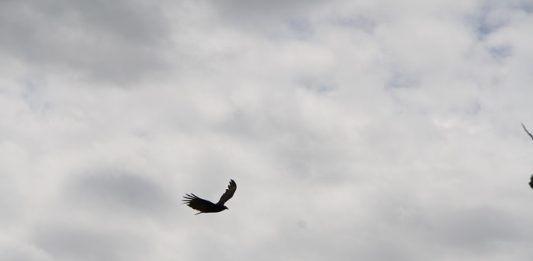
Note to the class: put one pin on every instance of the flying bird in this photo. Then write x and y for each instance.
(528, 133)
(205, 206)
(531, 182)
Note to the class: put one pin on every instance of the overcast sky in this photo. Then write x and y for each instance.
(355, 130)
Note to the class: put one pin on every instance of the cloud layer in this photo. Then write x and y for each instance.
(374, 130)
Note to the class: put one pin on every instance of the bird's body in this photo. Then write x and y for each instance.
(206, 206)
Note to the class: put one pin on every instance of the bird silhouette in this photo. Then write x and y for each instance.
(206, 206)
(531, 182)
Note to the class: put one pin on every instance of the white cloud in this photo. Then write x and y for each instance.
(374, 130)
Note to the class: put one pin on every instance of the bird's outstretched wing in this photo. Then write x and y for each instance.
(528, 133)
(229, 193)
(197, 203)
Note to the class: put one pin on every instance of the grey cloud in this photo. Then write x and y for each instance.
(78, 242)
(21, 251)
(281, 20)
(495, 15)
(249, 9)
(399, 79)
(117, 41)
(362, 22)
(301, 150)
(336, 155)
(501, 53)
(317, 85)
(266, 16)
(114, 190)
(479, 229)
(486, 21)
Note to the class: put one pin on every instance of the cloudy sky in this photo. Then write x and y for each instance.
(355, 130)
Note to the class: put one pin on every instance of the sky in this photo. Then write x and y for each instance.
(355, 130)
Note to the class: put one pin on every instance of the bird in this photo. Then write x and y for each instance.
(528, 133)
(206, 206)
(531, 182)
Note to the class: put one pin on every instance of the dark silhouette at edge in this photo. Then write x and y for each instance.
(531, 136)
(206, 206)
(528, 133)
